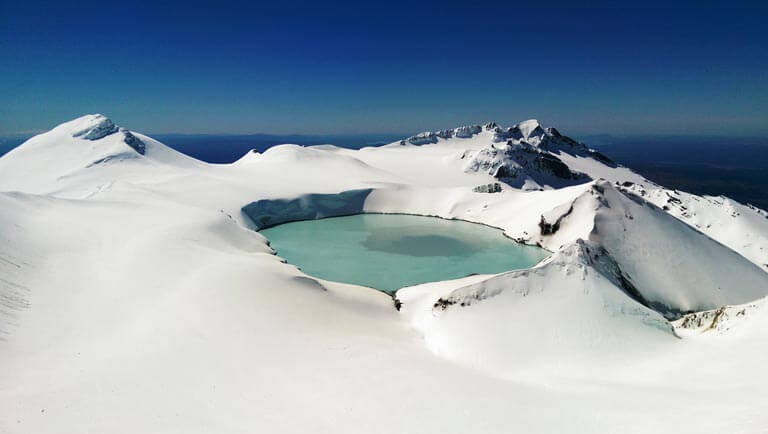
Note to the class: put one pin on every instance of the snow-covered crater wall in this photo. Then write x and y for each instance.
(272, 212)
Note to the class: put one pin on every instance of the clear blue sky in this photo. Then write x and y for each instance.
(397, 67)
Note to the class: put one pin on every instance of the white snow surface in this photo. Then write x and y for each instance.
(135, 296)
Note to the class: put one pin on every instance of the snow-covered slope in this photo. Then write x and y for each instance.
(88, 147)
(565, 317)
(134, 297)
(674, 267)
(741, 227)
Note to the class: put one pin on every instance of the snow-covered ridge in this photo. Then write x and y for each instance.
(526, 130)
(98, 126)
(91, 146)
(538, 319)
(523, 165)
(690, 272)
(742, 227)
(525, 155)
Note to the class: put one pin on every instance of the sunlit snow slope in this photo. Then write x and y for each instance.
(136, 296)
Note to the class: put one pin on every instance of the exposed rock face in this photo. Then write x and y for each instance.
(529, 156)
(502, 135)
(488, 188)
(134, 142)
(526, 133)
(553, 132)
(423, 138)
(467, 131)
(551, 140)
(103, 128)
(516, 161)
(537, 132)
(548, 163)
(429, 137)
(717, 321)
(530, 129)
(550, 228)
(707, 320)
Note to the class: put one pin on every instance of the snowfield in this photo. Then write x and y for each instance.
(136, 296)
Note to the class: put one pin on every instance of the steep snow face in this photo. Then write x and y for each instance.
(266, 213)
(743, 228)
(564, 317)
(675, 268)
(530, 129)
(638, 265)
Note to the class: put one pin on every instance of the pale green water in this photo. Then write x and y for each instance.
(388, 252)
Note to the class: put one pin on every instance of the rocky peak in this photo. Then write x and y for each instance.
(134, 142)
(95, 127)
(468, 131)
(530, 128)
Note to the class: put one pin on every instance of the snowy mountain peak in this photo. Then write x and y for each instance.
(82, 148)
(522, 165)
(525, 156)
(97, 126)
(529, 131)
(467, 131)
(529, 128)
(93, 127)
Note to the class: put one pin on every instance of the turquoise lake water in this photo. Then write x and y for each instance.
(388, 252)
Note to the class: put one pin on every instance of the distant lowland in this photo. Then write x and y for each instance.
(733, 167)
